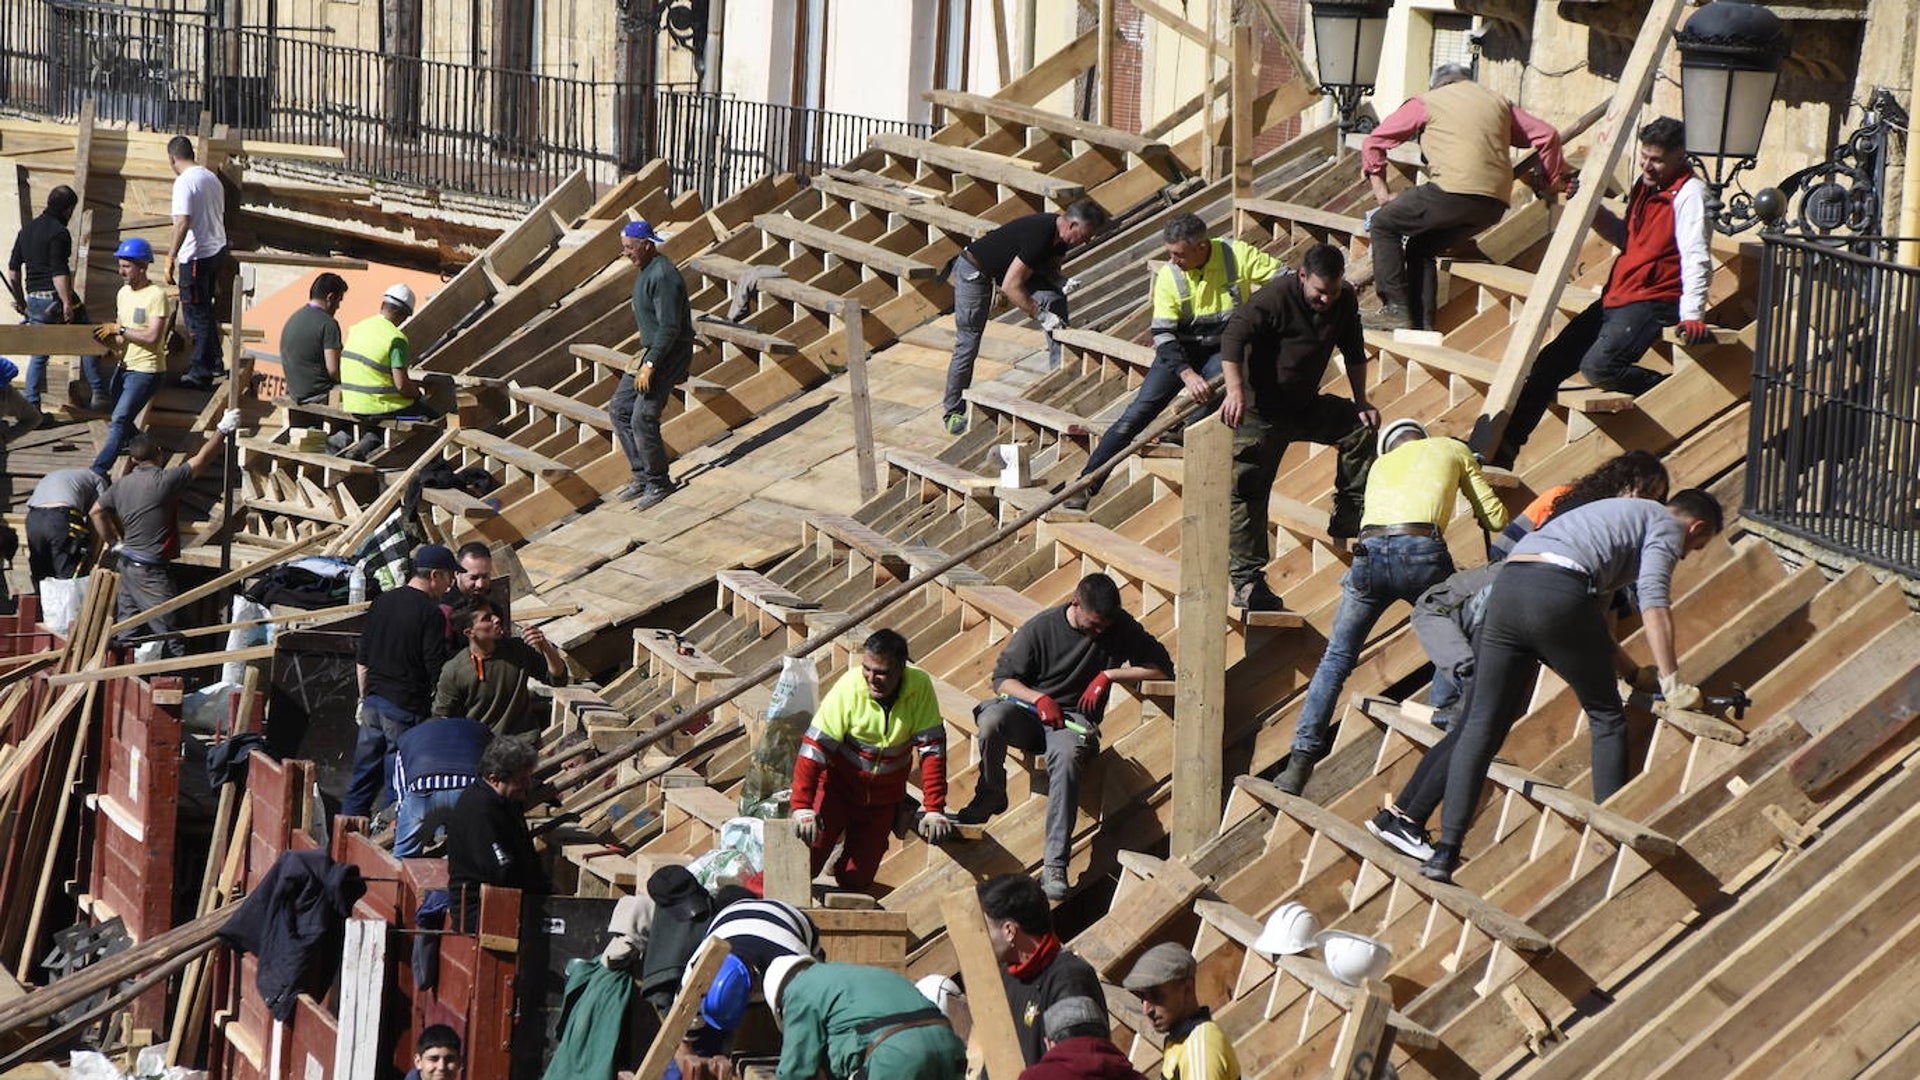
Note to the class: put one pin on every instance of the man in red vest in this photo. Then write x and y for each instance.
(1660, 279)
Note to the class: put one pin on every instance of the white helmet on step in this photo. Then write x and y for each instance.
(1354, 958)
(782, 969)
(398, 294)
(1290, 929)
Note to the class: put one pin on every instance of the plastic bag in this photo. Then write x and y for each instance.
(245, 610)
(60, 602)
(740, 859)
(768, 786)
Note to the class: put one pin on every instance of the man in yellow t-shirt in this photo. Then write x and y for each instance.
(1195, 1048)
(145, 314)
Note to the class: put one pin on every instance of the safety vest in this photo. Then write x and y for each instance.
(1182, 324)
(366, 379)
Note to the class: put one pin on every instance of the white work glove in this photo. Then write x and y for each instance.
(1679, 695)
(806, 826)
(936, 827)
(229, 422)
(1068, 286)
(1050, 320)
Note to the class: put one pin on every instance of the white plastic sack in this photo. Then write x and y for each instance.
(767, 788)
(742, 854)
(60, 601)
(244, 610)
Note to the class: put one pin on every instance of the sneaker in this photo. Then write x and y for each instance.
(1389, 317)
(1078, 501)
(956, 423)
(1398, 832)
(633, 490)
(652, 497)
(1293, 779)
(1442, 863)
(1443, 718)
(980, 809)
(1256, 595)
(1053, 882)
(101, 403)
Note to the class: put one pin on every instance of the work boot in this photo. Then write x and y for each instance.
(1053, 882)
(1077, 501)
(1293, 779)
(633, 490)
(1442, 863)
(1390, 317)
(652, 497)
(985, 804)
(1256, 595)
(101, 402)
(1401, 834)
(956, 423)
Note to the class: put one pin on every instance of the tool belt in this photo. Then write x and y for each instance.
(1411, 528)
(886, 1027)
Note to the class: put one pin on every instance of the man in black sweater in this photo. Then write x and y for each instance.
(1036, 971)
(487, 839)
(406, 642)
(1275, 351)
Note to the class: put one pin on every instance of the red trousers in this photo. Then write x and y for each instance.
(865, 827)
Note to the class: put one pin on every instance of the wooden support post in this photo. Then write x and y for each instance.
(1105, 62)
(1557, 266)
(1365, 1040)
(1246, 82)
(789, 865)
(686, 1005)
(853, 322)
(230, 466)
(1200, 694)
(1002, 41)
(363, 970)
(994, 1033)
(82, 166)
(1209, 153)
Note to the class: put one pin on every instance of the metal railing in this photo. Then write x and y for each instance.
(718, 145)
(1834, 451)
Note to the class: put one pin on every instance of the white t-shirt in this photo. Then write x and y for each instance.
(197, 194)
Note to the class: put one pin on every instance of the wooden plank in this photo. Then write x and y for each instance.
(1366, 1041)
(1032, 412)
(860, 398)
(561, 405)
(507, 453)
(793, 292)
(1052, 73)
(1102, 135)
(871, 256)
(1305, 216)
(979, 166)
(924, 211)
(458, 503)
(1438, 358)
(194, 595)
(1872, 698)
(1201, 669)
(686, 1006)
(161, 667)
(789, 865)
(291, 258)
(1127, 352)
(747, 338)
(363, 976)
(1513, 281)
(994, 1035)
(1129, 557)
(283, 452)
(62, 339)
(1556, 267)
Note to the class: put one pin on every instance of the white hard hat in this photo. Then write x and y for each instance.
(1354, 958)
(938, 989)
(778, 972)
(1290, 929)
(1394, 430)
(399, 294)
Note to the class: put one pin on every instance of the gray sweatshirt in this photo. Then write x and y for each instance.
(1617, 542)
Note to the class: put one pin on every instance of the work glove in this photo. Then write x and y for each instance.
(806, 826)
(1051, 320)
(105, 331)
(1695, 331)
(1068, 286)
(229, 422)
(936, 827)
(1095, 695)
(1679, 695)
(643, 379)
(1048, 710)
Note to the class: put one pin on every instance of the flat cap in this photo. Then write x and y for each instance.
(1160, 965)
(1073, 1016)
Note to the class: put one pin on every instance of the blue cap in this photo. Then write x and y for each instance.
(135, 248)
(8, 372)
(642, 230)
(726, 1001)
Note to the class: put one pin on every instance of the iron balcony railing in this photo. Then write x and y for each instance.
(1834, 455)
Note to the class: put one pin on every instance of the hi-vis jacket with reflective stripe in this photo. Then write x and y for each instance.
(859, 751)
(1191, 307)
(366, 367)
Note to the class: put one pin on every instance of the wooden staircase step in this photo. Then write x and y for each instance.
(1477, 370)
(1492, 920)
(762, 592)
(1008, 607)
(1129, 557)
(283, 452)
(780, 288)
(843, 530)
(1032, 412)
(1007, 112)
(509, 453)
(852, 187)
(1517, 283)
(458, 503)
(561, 405)
(979, 166)
(1307, 216)
(602, 355)
(872, 256)
(746, 337)
(947, 476)
(1127, 352)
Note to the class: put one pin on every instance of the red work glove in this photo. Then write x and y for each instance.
(1695, 331)
(1048, 710)
(1095, 695)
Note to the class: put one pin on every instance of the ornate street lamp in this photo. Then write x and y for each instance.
(1347, 37)
(1730, 54)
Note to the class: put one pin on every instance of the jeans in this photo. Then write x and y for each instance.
(1157, 391)
(1445, 619)
(47, 311)
(972, 304)
(636, 421)
(1536, 613)
(1601, 343)
(1006, 723)
(1411, 230)
(199, 286)
(144, 586)
(422, 816)
(1258, 445)
(381, 725)
(134, 390)
(1384, 569)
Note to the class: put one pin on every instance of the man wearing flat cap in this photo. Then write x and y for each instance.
(1194, 1048)
(1080, 1045)
(665, 322)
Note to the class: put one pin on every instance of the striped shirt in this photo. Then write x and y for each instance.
(1196, 1049)
(761, 931)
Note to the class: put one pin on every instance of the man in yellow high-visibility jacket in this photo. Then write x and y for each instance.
(374, 383)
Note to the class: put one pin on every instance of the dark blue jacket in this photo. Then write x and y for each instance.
(449, 746)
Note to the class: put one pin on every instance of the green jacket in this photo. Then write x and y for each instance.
(593, 1023)
(831, 1014)
(661, 312)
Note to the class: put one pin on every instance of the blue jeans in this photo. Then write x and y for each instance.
(47, 311)
(199, 284)
(381, 725)
(1601, 343)
(134, 390)
(422, 816)
(1384, 569)
(1157, 391)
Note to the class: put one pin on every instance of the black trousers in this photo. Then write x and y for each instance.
(59, 542)
(1537, 613)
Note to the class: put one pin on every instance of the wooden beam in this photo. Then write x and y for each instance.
(789, 869)
(1104, 63)
(1102, 135)
(1172, 20)
(82, 167)
(872, 256)
(289, 258)
(994, 1034)
(852, 323)
(1246, 78)
(1002, 40)
(376, 512)
(1052, 73)
(980, 166)
(1201, 677)
(162, 667)
(1523, 342)
(193, 595)
(1366, 1041)
(64, 339)
(686, 1005)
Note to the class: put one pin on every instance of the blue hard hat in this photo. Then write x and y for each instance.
(8, 371)
(726, 1000)
(135, 248)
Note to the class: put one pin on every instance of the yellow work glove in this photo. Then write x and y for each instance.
(1679, 695)
(105, 331)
